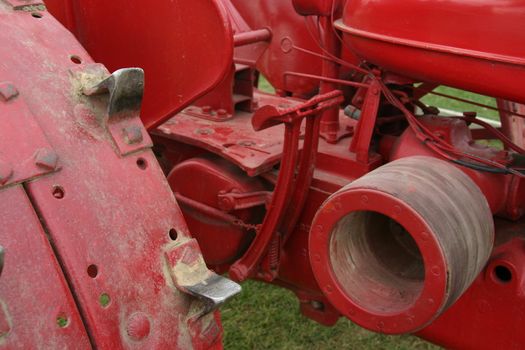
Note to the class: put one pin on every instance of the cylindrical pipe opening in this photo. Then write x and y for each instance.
(377, 262)
(394, 249)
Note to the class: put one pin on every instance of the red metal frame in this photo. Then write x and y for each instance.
(264, 206)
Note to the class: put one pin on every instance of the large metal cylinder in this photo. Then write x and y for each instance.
(397, 247)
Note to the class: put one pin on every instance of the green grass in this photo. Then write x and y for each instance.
(267, 317)
(447, 103)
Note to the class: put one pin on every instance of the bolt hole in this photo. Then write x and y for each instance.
(502, 274)
(104, 300)
(173, 234)
(142, 163)
(58, 192)
(75, 59)
(62, 321)
(92, 271)
(37, 15)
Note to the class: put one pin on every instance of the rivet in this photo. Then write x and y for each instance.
(132, 134)
(8, 90)
(364, 199)
(138, 326)
(46, 158)
(286, 45)
(222, 113)
(206, 109)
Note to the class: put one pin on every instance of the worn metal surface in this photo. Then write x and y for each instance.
(185, 48)
(84, 245)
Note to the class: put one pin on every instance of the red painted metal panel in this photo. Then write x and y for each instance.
(37, 307)
(107, 215)
(184, 47)
(449, 42)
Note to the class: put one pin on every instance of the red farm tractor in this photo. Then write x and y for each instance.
(143, 174)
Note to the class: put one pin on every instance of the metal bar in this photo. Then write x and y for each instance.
(252, 37)
(331, 80)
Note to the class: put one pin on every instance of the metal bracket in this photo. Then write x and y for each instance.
(125, 88)
(190, 275)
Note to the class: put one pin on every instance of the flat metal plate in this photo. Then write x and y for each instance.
(37, 308)
(253, 151)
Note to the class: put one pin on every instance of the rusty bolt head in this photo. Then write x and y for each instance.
(204, 131)
(6, 171)
(8, 91)
(46, 158)
(138, 326)
(246, 143)
(132, 134)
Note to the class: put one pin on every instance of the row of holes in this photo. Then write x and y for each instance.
(92, 270)
(74, 58)
(58, 192)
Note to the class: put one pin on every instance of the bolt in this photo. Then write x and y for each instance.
(222, 113)
(317, 305)
(8, 90)
(46, 158)
(246, 143)
(226, 203)
(286, 45)
(204, 131)
(132, 134)
(138, 326)
(6, 171)
(206, 109)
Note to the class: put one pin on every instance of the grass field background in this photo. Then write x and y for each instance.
(267, 317)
